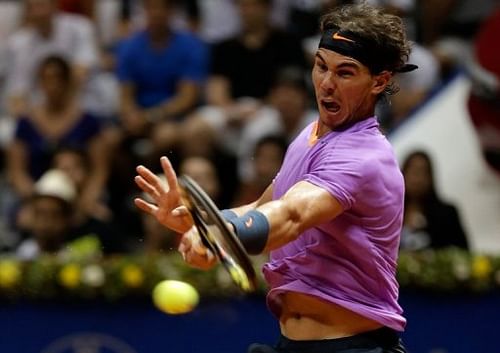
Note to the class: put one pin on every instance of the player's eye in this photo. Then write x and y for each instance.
(321, 66)
(345, 73)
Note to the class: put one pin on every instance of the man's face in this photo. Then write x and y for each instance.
(254, 13)
(345, 89)
(50, 221)
(157, 14)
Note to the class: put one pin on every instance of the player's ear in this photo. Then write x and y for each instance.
(380, 82)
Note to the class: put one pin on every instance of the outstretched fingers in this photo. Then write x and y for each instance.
(145, 206)
(169, 172)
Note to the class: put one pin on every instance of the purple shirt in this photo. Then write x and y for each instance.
(350, 260)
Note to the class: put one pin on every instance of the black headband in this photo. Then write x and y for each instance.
(367, 52)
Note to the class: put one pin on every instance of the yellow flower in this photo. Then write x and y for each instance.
(69, 276)
(481, 267)
(10, 273)
(132, 276)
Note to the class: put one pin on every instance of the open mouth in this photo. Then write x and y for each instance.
(331, 107)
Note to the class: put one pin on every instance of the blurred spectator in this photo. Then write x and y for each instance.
(56, 122)
(267, 158)
(46, 32)
(198, 140)
(286, 113)
(50, 223)
(428, 221)
(203, 172)
(161, 72)
(484, 99)
(243, 69)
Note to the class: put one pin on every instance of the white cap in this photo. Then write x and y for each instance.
(56, 183)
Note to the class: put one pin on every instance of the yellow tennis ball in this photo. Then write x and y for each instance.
(175, 297)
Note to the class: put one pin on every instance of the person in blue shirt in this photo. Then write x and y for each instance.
(161, 72)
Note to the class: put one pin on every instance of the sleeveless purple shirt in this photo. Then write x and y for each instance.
(351, 260)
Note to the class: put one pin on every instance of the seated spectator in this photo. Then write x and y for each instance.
(51, 228)
(161, 71)
(428, 222)
(286, 112)
(234, 94)
(47, 32)
(75, 163)
(56, 122)
(203, 172)
(267, 159)
(199, 142)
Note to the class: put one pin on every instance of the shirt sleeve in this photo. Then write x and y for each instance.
(196, 68)
(341, 174)
(17, 79)
(124, 62)
(85, 52)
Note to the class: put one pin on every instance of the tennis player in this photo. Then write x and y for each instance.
(332, 218)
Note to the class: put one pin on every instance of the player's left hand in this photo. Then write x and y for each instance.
(167, 205)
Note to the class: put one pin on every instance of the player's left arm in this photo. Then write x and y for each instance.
(280, 221)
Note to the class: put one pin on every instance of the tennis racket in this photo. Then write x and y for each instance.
(216, 235)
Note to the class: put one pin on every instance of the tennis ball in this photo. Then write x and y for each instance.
(175, 297)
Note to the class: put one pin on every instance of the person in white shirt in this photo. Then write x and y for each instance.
(46, 32)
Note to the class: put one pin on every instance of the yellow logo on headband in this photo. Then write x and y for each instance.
(337, 36)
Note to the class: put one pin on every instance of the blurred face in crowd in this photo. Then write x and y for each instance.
(157, 14)
(290, 101)
(203, 172)
(51, 222)
(418, 178)
(40, 12)
(54, 81)
(346, 91)
(254, 13)
(267, 162)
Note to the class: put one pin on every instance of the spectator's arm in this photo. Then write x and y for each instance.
(99, 157)
(218, 91)
(184, 100)
(17, 169)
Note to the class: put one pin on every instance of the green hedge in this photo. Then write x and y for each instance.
(115, 278)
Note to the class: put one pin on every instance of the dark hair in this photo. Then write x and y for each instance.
(277, 140)
(59, 62)
(432, 195)
(290, 76)
(387, 31)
